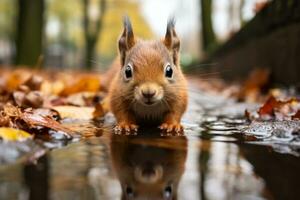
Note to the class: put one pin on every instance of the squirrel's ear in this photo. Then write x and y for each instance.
(126, 40)
(171, 41)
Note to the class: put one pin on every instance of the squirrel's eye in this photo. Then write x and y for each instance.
(129, 192)
(128, 72)
(168, 71)
(168, 192)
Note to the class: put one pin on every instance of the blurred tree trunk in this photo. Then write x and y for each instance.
(208, 35)
(231, 17)
(92, 30)
(241, 7)
(29, 32)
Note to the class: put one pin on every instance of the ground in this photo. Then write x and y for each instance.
(230, 149)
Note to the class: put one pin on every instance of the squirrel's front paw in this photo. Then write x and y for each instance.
(172, 128)
(126, 128)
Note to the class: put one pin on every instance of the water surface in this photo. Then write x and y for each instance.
(214, 160)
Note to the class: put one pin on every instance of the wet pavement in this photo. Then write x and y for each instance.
(221, 156)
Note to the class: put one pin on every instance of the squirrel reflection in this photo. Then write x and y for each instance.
(148, 167)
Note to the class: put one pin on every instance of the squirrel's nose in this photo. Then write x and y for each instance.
(148, 94)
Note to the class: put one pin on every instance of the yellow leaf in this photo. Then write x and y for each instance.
(54, 87)
(11, 134)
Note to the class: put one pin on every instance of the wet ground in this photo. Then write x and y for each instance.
(221, 156)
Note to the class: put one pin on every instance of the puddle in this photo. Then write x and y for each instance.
(221, 156)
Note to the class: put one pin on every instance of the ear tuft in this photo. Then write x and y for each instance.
(127, 40)
(171, 40)
(171, 25)
(127, 25)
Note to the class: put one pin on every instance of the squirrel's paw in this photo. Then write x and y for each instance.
(171, 128)
(124, 128)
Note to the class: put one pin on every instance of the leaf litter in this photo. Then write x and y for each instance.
(272, 114)
(50, 105)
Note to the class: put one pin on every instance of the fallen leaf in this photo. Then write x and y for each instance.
(11, 134)
(54, 87)
(11, 111)
(41, 121)
(276, 109)
(30, 99)
(34, 120)
(268, 107)
(17, 78)
(34, 99)
(75, 112)
(47, 112)
(87, 83)
(19, 97)
(297, 115)
(34, 82)
(4, 119)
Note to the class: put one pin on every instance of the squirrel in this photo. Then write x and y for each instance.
(148, 84)
(148, 167)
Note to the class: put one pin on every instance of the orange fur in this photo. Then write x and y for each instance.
(148, 60)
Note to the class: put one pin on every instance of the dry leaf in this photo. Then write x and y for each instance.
(17, 78)
(276, 109)
(75, 112)
(34, 82)
(86, 83)
(297, 115)
(33, 120)
(268, 107)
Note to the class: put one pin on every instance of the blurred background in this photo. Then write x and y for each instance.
(82, 34)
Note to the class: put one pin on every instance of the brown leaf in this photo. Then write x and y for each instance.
(17, 78)
(4, 119)
(34, 82)
(34, 120)
(31, 99)
(19, 98)
(297, 115)
(34, 99)
(11, 111)
(23, 88)
(268, 107)
(46, 112)
(278, 109)
(41, 120)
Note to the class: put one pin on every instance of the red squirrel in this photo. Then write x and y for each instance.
(148, 167)
(148, 84)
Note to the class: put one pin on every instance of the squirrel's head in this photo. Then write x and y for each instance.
(150, 69)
